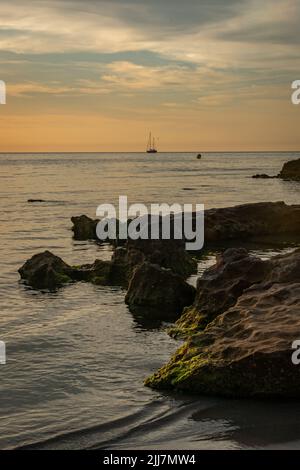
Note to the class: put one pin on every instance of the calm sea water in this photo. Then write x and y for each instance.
(76, 358)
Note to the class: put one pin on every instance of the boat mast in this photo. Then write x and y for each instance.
(151, 145)
(149, 142)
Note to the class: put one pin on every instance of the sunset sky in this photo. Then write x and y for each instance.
(98, 75)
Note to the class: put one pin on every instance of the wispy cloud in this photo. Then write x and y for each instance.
(133, 76)
(120, 58)
(29, 89)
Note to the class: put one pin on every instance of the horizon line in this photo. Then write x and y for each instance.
(144, 152)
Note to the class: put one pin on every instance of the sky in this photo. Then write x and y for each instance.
(202, 75)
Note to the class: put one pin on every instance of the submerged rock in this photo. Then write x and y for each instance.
(264, 176)
(35, 200)
(46, 271)
(158, 292)
(247, 350)
(291, 171)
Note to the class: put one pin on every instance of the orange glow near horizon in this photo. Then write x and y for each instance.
(96, 79)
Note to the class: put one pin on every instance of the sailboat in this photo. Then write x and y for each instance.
(151, 147)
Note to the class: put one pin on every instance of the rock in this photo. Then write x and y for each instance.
(263, 176)
(124, 261)
(46, 271)
(219, 288)
(36, 200)
(84, 228)
(247, 350)
(255, 222)
(291, 171)
(159, 292)
(98, 272)
(166, 253)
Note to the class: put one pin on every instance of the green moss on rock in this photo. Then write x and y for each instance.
(62, 279)
(99, 280)
(247, 350)
(188, 324)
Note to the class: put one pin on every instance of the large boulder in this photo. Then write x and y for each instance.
(159, 292)
(219, 288)
(247, 350)
(46, 271)
(291, 171)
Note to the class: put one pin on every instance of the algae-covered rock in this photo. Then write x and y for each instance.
(291, 171)
(159, 292)
(46, 271)
(247, 350)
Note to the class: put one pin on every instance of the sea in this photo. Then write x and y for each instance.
(76, 358)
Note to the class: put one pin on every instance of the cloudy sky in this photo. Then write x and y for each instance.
(98, 75)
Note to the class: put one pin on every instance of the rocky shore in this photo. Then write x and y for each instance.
(240, 321)
(252, 320)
